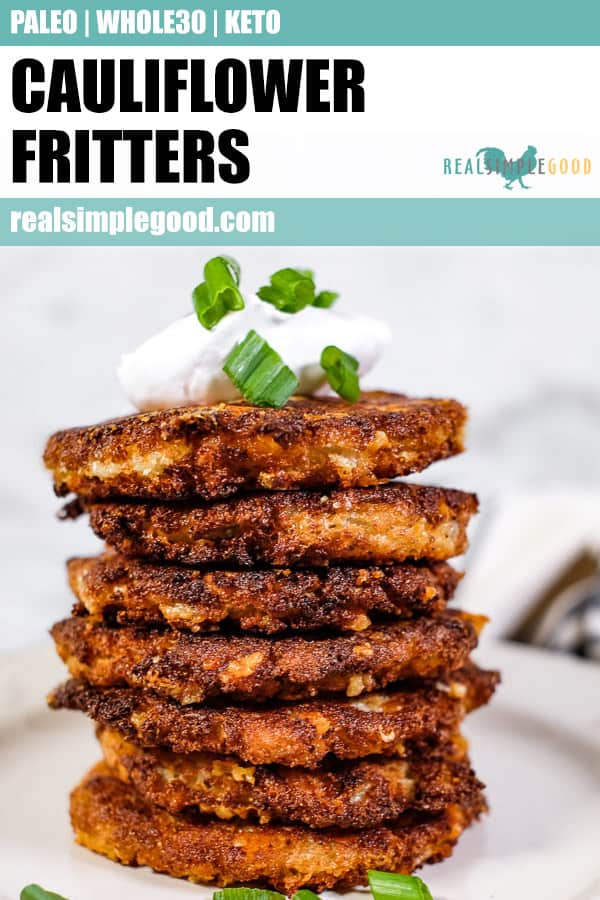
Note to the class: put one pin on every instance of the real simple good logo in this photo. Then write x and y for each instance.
(512, 170)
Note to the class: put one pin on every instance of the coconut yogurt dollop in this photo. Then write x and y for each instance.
(183, 364)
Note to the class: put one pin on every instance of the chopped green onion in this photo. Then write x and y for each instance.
(383, 885)
(218, 294)
(243, 893)
(35, 892)
(259, 373)
(325, 299)
(290, 290)
(233, 266)
(387, 886)
(294, 289)
(342, 372)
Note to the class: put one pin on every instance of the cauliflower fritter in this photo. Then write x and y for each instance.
(268, 601)
(110, 818)
(356, 794)
(194, 668)
(379, 525)
(215, 451)
(290, 734)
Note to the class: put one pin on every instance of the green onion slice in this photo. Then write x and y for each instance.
(291, 290)
(35, 892)
(260, 374)
(387, 886)
(325, 299)
(243, 893)
(218, 294)
(342, 372)
(305, 895)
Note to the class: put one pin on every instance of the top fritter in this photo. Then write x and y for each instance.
(216, 451)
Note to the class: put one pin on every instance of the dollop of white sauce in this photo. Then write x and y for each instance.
(183, 365)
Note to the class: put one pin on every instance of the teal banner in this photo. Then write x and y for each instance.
(301, 222)
(309, 22)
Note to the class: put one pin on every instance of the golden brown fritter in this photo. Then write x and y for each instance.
(377, 525)
(214, 451)
(110, 818)
(193, 668)
(344, 795)
(290, 734)
(268, 601)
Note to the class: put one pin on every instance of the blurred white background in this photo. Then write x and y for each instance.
(512, 332)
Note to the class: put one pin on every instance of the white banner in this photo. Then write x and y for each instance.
(429, 110)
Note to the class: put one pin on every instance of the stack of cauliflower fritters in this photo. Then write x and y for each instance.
(265, 645)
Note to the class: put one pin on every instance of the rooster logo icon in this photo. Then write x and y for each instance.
(511, 170)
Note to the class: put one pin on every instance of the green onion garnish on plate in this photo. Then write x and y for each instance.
(219, 293)
(35, 892)
(342, 372)
(243, 893)
(259, 373)
(387, 886)
(291, 290)
(383, 885)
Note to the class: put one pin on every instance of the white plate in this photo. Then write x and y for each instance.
(537, 747)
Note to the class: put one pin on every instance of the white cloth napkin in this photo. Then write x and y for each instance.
(522, 544)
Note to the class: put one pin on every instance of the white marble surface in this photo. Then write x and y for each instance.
(513, 332)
